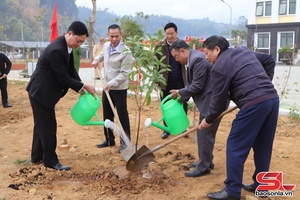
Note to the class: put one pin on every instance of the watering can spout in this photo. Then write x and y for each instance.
(174, 117)
(149, 122)
(108, 124)
(92, 123)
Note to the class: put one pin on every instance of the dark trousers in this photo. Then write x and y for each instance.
(174, 84)
(119, 99)
(253, 127)
(44, 134)
(206, 143)
(3, 87)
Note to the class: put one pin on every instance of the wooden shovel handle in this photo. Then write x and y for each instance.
(189, 131)
(111, 103)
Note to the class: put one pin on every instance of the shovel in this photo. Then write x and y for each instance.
(144, 155)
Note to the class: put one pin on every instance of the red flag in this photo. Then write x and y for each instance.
(54, 29)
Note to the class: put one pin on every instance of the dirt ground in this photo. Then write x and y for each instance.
(101, 173)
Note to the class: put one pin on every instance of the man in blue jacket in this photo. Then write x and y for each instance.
(247, 77)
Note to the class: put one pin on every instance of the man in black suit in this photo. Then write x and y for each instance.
(54, 75)
(5, 66)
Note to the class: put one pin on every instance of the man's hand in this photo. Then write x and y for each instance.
(90, 89)
(203, 125)
(174, 94)
(106, 88)
(3, 76)
(95, 63)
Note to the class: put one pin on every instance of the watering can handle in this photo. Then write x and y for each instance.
(84, 92)
(166, 99)
(189, 131)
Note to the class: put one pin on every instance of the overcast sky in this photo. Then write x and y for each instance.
(215, 10)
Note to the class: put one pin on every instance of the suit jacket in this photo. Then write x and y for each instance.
(198, 81)
(5, 64)
(165, 52)
(54, 74)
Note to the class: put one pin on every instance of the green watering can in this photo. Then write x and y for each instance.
(173, 115)
(86, 108)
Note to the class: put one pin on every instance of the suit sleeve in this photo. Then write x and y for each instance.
(267, 62)
(220, 84)
(199, 69)
(8, 64)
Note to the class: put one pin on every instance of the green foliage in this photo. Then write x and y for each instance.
(294, 113)
(132, 26)
(30, 20)
(286, 49)
(21, 162)
(159, 34)
(147, 69)
(190, 106)
(238, 37)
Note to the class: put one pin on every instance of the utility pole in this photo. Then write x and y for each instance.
(230, 34)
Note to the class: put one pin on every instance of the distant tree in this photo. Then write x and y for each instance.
(159, 34)
(238, 37)
(132, 26)
(91, 25)
(242, 22)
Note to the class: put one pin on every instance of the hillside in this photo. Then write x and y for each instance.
(30, 21)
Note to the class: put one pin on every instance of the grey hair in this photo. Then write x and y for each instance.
(179, 44)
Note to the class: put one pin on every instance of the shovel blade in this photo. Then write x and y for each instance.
(140, 159)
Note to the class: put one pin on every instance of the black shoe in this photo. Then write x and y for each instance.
(211, 166)
(249, 188)
(59, 166)
(96, 78)
(222, 195)
(106, 143)
(165, 135)
(7, 105)
(196, 173)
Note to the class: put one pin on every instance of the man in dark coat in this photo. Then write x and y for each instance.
(5, 66)
(247, 77)
(175, 78)
(54, 75)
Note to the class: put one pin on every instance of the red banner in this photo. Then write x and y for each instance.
(54, 27)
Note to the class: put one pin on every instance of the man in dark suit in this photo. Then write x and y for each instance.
(5, 66)
(199, 88)
(54, 75)
(175, 78)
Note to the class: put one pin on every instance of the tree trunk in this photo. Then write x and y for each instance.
(91, 30)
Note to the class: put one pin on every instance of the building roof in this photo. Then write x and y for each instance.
(26, 44)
